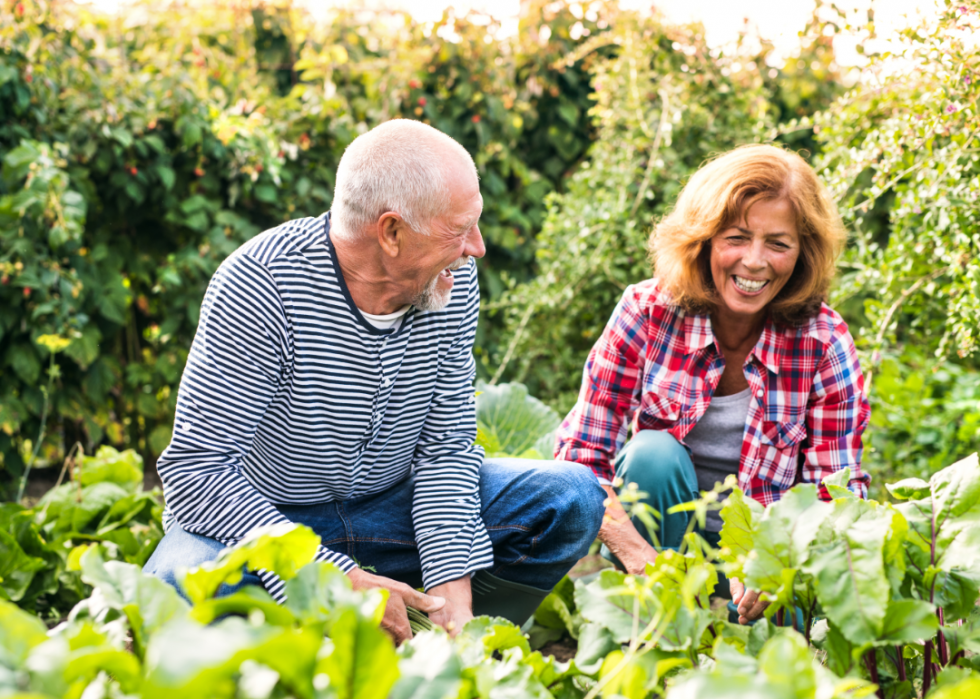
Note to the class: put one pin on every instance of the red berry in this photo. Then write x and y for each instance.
(199, 172)
(29, 78)
(422, 101)
(133, 171)
(476, 119)
(414, 84)
(27, 292)
(19, 9)
(5, 279)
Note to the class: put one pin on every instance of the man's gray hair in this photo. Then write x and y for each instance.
(402, 166)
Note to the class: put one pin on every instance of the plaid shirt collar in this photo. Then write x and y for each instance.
(698, 335)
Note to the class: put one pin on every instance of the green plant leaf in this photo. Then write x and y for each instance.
(782, 538)
(190, 660)
(739, 516)
(363, 664)
(20, 632)
(944, 528)
(429, 668)
(511, 419)
(281, 548)
(849, 572)
(909, 621)
(147, 602)
(111, 466)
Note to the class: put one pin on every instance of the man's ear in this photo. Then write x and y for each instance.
(391, 233)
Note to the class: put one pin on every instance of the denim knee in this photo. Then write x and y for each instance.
(585, 503)
(179, 549)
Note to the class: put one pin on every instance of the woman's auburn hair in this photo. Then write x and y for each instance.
(717, 197)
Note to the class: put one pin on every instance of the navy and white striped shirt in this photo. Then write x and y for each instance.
(290, 396)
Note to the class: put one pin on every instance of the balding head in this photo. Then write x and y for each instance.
(402, 166)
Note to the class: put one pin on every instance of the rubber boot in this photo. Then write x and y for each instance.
(510, 600)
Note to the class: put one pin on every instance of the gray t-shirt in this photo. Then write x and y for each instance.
(716, 444)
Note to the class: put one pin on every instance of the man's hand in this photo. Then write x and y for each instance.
(749, 602)
(395, 620)
(621, 538)
(459, 605)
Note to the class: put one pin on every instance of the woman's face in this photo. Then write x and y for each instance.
(752, 261)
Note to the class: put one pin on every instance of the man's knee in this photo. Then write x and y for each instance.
(179, 549)
(578, 499)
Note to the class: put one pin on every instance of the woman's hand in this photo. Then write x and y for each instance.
(621, 538)
(395, 620)
(750, 603)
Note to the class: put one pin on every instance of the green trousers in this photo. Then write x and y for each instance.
(662, 468)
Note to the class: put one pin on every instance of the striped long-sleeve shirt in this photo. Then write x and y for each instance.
(290, 396)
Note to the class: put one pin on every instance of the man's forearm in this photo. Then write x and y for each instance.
(621, 537)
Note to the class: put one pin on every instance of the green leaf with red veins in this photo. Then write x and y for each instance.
(782, 539)
(908, 621)
(850, 579)
(944, 558)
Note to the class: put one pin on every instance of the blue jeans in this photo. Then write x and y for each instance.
(541, 517)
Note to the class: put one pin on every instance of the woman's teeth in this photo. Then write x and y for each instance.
(749, 285)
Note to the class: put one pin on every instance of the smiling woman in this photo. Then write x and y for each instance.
(728, 362)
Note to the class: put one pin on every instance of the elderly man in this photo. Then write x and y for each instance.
(330, 384)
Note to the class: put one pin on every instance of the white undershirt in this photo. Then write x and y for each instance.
(389, 321)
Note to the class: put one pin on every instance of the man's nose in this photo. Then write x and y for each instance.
(474, 243)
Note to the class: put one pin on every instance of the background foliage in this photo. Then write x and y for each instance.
(138, 151)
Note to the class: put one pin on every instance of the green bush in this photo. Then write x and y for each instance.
(139, 151)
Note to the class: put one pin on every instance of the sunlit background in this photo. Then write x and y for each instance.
(723, 20)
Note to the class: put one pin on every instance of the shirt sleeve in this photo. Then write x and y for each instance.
(595, 429)
(238, 360)
(837, 416)
(449, 529)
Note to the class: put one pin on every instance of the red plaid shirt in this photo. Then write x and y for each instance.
(658, 366)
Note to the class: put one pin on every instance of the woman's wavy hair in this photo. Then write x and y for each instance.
(716, 198)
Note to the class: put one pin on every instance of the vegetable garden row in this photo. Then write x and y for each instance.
(883, 597)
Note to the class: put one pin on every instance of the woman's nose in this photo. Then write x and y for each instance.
(754, 257)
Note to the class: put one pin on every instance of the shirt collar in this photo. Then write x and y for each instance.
(697, 332)
(698, 335)
(767, 349)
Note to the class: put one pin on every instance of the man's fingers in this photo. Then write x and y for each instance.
(423, 602)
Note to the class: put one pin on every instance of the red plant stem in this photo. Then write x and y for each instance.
(941, 646)
(872, 662)
(901, 664)
(927, 669)
(959, 654)
(779, 617)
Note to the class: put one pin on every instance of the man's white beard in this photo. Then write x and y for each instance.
(431, 298)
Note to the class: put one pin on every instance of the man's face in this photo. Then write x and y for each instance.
(452, 240)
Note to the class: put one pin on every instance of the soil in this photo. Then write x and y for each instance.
(562, 650)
